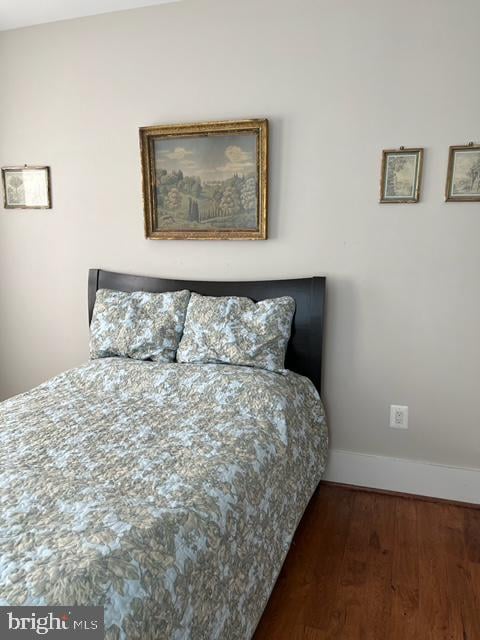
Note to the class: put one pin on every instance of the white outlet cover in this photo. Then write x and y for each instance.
(398, 416)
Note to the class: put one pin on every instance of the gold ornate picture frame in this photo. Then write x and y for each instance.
(205, 181)
(463, 173)
(401, 175)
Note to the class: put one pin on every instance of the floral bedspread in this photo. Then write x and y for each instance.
(168, 493)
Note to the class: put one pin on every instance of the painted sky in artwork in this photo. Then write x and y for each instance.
(210, 158)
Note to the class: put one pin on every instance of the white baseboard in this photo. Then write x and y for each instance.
(405, 476)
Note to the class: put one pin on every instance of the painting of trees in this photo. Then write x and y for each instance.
(248, 194)
(15, 188)
(205, 180)
(474, 174)
(401, 175)
(187, 198)
(193, 214)
(173, 199)
(463, 181)
(230, 201)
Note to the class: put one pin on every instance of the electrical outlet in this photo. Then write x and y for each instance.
(398, 416)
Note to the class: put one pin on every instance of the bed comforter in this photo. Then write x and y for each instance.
(168, 493)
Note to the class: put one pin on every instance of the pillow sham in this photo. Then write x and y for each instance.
(235, 330)
(139, 325)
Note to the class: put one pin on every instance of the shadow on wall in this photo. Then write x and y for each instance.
(340, 308)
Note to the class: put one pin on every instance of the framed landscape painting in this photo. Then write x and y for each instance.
(401, 175)
(463, 174)
(205, 181)
(26, 187)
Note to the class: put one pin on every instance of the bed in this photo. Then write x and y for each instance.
(167, 493)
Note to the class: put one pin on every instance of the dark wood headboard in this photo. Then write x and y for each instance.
(304, 353)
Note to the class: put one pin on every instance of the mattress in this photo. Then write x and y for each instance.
(167, 493)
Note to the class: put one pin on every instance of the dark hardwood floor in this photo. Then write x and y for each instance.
(368, 566)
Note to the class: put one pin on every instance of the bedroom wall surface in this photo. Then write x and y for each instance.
(339, 81)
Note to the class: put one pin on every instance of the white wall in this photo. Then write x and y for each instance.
(339, 81)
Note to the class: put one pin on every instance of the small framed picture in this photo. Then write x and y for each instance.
(463, 174)
(26, 187)
(401, 175)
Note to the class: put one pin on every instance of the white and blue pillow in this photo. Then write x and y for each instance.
(139, 325)
(239, 331)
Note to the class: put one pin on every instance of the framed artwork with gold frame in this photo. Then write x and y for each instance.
(463, 173)
(26, 187)
(401, 175)
(205, 181)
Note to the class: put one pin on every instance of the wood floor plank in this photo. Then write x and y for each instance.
(311, 633)
(404, 587)
(379, 566)
(350, 616)
(433, 577)
(473, 582)
(471, 518)
(461, 595)
(368, 566)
